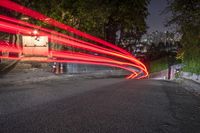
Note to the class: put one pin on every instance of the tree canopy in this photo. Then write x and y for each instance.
(101, 18)
(186, 15)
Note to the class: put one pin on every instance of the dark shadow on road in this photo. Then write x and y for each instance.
(4, 69)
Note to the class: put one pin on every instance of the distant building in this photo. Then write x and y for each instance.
(156, 37)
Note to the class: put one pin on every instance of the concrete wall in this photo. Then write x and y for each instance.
(191, 76)
(85, 68)
(159, 75)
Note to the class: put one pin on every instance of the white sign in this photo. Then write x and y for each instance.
(35, 45)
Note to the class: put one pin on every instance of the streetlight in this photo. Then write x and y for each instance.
(35, 32)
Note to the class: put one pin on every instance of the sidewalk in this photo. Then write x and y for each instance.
(190, 76)
(189, 81)
(29, 75)
(190, 85)
(33, 75)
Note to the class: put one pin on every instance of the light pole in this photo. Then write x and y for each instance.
(168, 55)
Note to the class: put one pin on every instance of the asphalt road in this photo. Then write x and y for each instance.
(98, 106)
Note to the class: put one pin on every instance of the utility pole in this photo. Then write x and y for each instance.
(168, 55)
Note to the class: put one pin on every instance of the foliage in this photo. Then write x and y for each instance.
(93, 16)
(186, 14)
(180, 55)
(128, 16)
(158, 65)
(192, 60)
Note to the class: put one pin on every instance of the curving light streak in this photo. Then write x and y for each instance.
(78, 43)
(38, 16)
(71, 55)
(68, 61)
(21, 9)
(27, 31)
(15, 26)
(79, 58)
(19, 22)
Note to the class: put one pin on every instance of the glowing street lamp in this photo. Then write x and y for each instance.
(35, 32)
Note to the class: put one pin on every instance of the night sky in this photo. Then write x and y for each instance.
(155, 20)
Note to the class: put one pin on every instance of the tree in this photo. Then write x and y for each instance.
(186, 14)
(101, 18)
(128, 16)
(10, 38)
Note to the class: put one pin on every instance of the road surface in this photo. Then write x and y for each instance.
(98, 106)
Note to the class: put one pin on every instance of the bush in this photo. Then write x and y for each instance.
(192, 60)
(158, 65)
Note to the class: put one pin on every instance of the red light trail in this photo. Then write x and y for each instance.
(110, 55)
(82, 44)
(38, 16)
(23, 30)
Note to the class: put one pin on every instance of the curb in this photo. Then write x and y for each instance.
(190, 76)
(190, 85)
(62, 76)
(36, 79)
